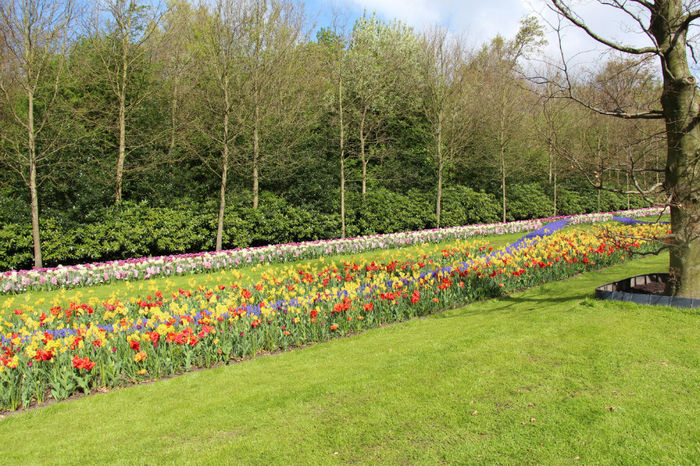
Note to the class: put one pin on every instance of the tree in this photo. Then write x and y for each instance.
(444, 82)
(218, 35)
(379, 57)
(271, 61)
(176, 63)
(666, 24)
(503, 92)
(334, 56)
(608, 153)
(554, 124)
(120, 43)
(34, 34)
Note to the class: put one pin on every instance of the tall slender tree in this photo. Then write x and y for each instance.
(380, 56)
(120, 32)
(444, 84)
(499, 63)
(333, 56)
(34, 35)
(218, 34)
(271, 59)
(176, 63)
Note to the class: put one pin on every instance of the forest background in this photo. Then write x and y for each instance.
(130, 129)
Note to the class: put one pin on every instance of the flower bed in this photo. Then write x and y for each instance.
(148, 267)
(58, 351)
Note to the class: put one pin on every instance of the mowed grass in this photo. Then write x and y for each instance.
(544, 376)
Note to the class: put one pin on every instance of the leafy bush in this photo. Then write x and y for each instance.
(385, 211)
(570, 202)
(15, 246)
(13, 205)
(464, 206)
(527, 201)
(138, 229)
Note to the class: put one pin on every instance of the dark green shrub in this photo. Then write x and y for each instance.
(385, 211)
(464, 206)
(571, 202)
(526, 201)
(138, 229)
(16, 246)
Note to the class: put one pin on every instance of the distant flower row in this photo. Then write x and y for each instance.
(149, 267)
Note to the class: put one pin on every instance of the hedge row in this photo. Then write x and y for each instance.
(137, 229)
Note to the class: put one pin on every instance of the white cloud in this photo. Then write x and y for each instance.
(608, 22)
(479, 21)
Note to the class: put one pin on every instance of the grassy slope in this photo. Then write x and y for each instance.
(408, 393)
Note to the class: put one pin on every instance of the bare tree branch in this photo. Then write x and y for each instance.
(569, 93)
(564, 10)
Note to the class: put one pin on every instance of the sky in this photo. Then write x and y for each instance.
(479, 21)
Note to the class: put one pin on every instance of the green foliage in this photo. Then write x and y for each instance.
(385, 211)
(274, 222)
(139, 229)
(173, 96)
(13, 206)
(15, 246)
(464, 206)
(525, 201)
(571, 201)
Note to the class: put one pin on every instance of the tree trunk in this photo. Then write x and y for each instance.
(681, 112)
(224, 172)
(600, 174)
(173, 120)
(552, 175)
(122, 150)
(656, 164)
(32, 180)
(503, 179)
(438, 203)
(256, 154)
(222, 199)
(555, 194)
(363, 158)
(502, 147)
(342, 159)
(122, 123)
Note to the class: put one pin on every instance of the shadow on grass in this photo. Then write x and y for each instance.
(522, 298)
(527, 301)
(510, 303)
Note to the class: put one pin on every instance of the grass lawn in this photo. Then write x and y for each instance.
(544, 376)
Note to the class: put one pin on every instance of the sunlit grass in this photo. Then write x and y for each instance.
(545, 376)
